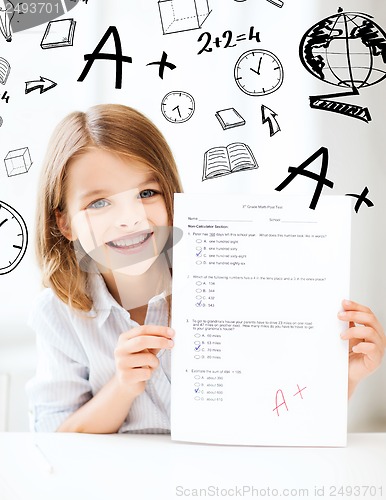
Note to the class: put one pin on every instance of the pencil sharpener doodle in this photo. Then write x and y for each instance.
(13, 237)
(18, 161)
(182, 15)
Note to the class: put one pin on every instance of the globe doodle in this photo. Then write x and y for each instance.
(347, 49)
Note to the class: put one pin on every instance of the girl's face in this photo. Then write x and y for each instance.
(116, 209)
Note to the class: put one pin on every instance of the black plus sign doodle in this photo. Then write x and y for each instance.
(361, 199)
(321, 178)
(162, 64)
(118, 57)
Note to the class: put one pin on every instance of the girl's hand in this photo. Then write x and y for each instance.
(367, 341)
(136, 355)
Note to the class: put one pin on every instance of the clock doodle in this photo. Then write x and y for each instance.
(177, 107)
(258, 72)
(13, 237)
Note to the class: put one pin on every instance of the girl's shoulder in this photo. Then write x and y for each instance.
(56, 325)
(47, 301)
(47, 309)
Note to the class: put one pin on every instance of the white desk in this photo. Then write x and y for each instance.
(135, 467)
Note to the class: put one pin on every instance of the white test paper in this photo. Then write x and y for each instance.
(257, 285)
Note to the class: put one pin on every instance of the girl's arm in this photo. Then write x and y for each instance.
(367, 342)
(135, 360)
(104, 413)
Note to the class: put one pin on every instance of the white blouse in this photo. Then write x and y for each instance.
(76, 359)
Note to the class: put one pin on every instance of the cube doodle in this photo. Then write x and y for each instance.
(18, 161)
(182, 15)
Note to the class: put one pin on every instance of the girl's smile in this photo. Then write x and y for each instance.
(131, 243)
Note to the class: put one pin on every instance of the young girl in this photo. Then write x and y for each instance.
(103, 231)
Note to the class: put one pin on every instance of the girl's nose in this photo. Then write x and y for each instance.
(131, 215)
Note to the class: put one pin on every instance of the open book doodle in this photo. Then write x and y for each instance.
(219, 161)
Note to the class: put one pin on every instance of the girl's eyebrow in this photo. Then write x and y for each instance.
(97, 192)
(150, 179)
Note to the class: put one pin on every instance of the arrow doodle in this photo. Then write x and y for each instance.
(43, 85)
(269, 116)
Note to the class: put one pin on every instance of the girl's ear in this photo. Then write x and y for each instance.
(64, 225)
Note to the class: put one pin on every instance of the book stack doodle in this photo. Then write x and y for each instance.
(58, 34)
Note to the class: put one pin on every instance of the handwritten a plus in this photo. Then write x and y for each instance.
(163, 64)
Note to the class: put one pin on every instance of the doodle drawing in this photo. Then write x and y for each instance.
(229, 118)
(269, 116)
(162, 65)
(5, 97)
(13, 236)
(5, 69)
(43, 85)
(277, 3)
(177, 106)
(361, 198)
(235, 157)
(182, 15)
(6, 14)
(58, 34)
(18, 161)
(347, 50)
(258, 72)
(97, 55)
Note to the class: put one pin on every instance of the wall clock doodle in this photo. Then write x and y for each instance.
(13, 236)
(177, 106)
(258, 72)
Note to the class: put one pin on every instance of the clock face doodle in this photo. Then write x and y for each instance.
(258, 72)
(177, 107)
(13, 237)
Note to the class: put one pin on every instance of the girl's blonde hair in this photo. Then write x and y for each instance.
(112, 127)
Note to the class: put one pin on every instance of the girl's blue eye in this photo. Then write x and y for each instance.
(147, 193)
(98, 204)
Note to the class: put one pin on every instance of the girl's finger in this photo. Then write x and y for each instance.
(370, 350)
(143, 360)
(362, 318)
(354, 306)
(154, 330)
(361, 332)
(138, 344)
